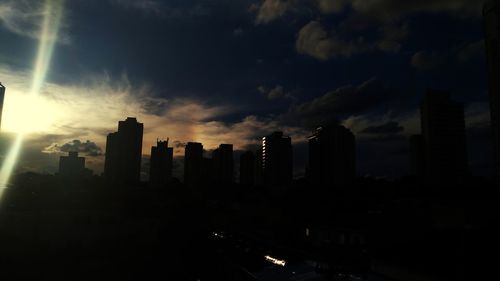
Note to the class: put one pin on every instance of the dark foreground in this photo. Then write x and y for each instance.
(52, 229)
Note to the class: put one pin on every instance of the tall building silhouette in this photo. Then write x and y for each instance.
(193, 164)
(160, 169)
(124, 152)
(71, 165)
(277, 161)
(223, 164)
(2, 96)
(443, 131)
(247, 169)
(491, 22)
(332, 156)
(417, 156)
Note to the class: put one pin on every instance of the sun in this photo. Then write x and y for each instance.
(25, 113)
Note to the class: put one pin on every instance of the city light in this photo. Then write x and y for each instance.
(275, 261)
(52, 13)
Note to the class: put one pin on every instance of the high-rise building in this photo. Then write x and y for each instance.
(443, 131)
(332, 156)
(2, 96)
(491, 19)
(223, 164)
(247, 169)
(124, 152)
(72, 165)
(160, 169)
(417, 156)
(193, 164)
(277, 161)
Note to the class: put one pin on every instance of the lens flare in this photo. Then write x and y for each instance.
(52, 13)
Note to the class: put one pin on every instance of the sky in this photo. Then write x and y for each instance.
(233, 71)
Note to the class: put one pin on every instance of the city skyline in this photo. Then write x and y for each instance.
(198, 99)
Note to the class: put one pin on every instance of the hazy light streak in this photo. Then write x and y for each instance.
(275, 261)
(48, 32)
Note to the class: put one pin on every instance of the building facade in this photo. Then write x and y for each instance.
(444, 141)
(491, 22)
(72, 165)
(332, 156)
(160, 165)
(124, 153)
(247, 169)
(223, 164)
(277, 160)
(2, 96)
(193, 164)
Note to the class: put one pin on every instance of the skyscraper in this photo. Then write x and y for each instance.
(417, 156)
(71, 165)
(277, 165)
(247, 169)
(193, 164)
(491, 21)
(124, 152)
(332, 156)
(223, 164)
(160, 169)
(443, 131)
(2, 95)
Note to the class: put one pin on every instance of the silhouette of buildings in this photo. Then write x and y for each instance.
(2, 96)
(491, 19)
(332, 156)
(223, 164)
(160, 169)
(247, 168)
(193, 164)
(443, 131)
(417, 156)
(72, 166)
(124, 152)
(277, 166)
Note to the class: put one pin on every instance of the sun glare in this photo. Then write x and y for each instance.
(27, 112)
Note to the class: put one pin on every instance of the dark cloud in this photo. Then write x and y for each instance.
(471, 51)
(314, 40)
(162, 9)
(179, 144)
(88, 148)
(342, 102)
(269, 10)
(425, 60)
(385, 129)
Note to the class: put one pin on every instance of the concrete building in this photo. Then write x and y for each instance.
(277, 161)
(124, 152)
(160, 169)
(332, 156)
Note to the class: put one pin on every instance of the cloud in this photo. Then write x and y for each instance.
(270, 10)
(87, 148)
(25, 17)
(342, 102)
(384, 129)
(68, 113)
(392, 35)
(161, 9)
(390, 10)
(331, 6)
(276, 92)
(426, 60)
(471, 51)
(315, 41)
